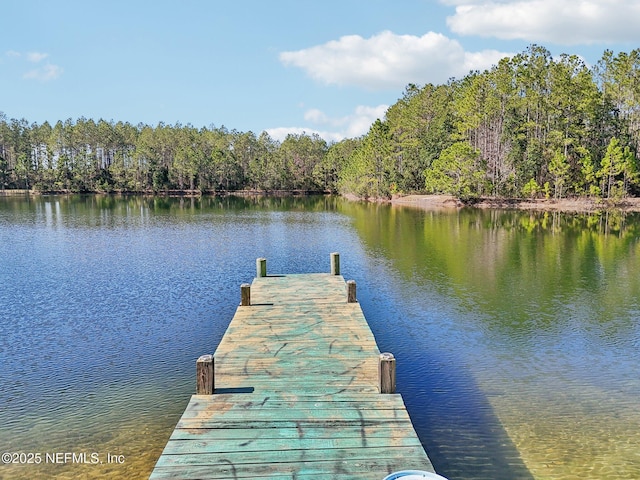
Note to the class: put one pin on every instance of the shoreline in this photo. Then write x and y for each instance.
(569, 205)
(421, 201)
(167, 193)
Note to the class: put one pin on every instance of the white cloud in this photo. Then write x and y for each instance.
(568, 22)
(316, 116)
(334, 128)
(358, 123)
(45, 73)
(475, 2)
(280, 133)
(35, 57)
(389, 61)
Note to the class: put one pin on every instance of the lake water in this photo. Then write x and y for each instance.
(516, 334)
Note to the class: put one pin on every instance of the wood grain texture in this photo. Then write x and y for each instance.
(308, 363)
(205, 382)
(245, 295)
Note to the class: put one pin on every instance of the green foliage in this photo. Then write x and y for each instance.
(301, 156)
(457, 171)
(369, 172)
(420, 127)
(531, 117)
(336, 163)
(611, 167)
(531, 124)
(531, 189)
(619, 170)
(120, 157)
(559, 169)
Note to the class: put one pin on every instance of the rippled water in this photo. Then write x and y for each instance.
(516, 334)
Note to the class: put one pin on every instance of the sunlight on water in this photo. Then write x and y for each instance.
(519, 333)
(574, 435)
(106, 306)
(516, 334)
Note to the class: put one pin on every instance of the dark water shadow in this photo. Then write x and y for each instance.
(455, 421)
(452, 416)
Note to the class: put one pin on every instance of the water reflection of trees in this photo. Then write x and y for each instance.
(616, 222)
(518, 268)
(86, 207)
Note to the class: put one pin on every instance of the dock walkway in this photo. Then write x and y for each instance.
(296, 394)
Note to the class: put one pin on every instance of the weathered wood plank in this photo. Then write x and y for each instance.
(297, 394)
(303, 326)
(296, 413)
(245, 388)
(332, 469)
(195, 473)
(296, 456)
(383, 432)
(336, 369)
(395, 400)
(292, 361)
(318, 381)
(177, 447)
(275, 401)
(348, 344)
(266, 380)
(299, 424)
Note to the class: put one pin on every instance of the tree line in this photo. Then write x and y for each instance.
(532, 125)
(105, 156)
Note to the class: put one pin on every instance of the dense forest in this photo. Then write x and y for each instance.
(530, 126)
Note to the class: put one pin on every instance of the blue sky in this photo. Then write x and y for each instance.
(284, 66)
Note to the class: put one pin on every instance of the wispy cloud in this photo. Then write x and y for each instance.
(389, 61)
(567, 22)
(334, 129)
(45, 73)
(352, 125)
(35, 57)
(281, 133)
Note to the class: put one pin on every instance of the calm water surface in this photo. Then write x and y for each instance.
(516, 334)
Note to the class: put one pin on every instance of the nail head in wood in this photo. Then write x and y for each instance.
(261, 267)
(351, 291)
(245, 294)
(335, 263)
(204, 375)
(387, 373)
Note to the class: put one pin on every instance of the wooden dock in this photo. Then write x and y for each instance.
(294, 391)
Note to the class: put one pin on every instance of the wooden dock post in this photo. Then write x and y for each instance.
(351, 291)
(245, 294)
(335, 263)
(298, 377)
(261, 267)
(387, 373)
(205, 382)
